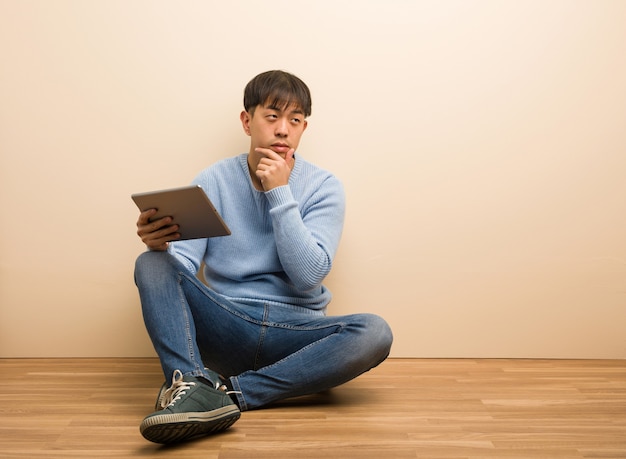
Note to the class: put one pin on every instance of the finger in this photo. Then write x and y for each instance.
(155, 225)
(290, 158)
(144, 217)
(156, 229)
(158, 238)
(166, 232)
(271, 154)
(156, 242)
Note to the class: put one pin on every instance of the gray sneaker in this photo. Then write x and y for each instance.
(164, 397)
(192, 408)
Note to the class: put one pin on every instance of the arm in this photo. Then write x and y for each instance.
(307, 238)
(158, 234)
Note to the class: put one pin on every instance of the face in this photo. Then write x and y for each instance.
(276, 128)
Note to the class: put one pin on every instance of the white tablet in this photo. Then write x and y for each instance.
(189, 207)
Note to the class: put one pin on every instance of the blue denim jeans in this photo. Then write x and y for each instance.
(268, 351)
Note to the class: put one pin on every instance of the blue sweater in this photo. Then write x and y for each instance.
(283, 241)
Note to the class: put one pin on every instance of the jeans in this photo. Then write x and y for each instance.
(268, 351)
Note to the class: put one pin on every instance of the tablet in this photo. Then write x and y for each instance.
(190, 208)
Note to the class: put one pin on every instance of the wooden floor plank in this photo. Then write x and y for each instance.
(406, 408)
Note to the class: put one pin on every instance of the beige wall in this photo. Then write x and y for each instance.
(482, 145)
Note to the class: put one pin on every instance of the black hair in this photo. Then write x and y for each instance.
(276, 88)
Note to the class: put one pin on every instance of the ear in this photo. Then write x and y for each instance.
(306, 123)
(245, 121)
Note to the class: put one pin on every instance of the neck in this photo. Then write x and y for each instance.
(255, 180)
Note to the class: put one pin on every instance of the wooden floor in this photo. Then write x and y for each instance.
(91, 408)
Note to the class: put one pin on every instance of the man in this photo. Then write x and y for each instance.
(258, 333)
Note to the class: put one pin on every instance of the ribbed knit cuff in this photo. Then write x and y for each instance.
(279, 196)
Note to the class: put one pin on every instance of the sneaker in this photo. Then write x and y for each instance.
(193, 408)
(164, 397)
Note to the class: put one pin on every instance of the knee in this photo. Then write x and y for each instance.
(383, 331)
(379, 335)
(143, 263)
(151, 265)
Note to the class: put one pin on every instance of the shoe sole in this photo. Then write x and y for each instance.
(172, 428)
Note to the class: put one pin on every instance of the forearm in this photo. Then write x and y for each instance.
(307, 239)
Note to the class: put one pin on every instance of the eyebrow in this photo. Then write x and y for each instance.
(297, 111)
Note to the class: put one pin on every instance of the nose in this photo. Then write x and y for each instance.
(282, 127)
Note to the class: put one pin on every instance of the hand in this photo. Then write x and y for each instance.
(156, 234)
(273, 170)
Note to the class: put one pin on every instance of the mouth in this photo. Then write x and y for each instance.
(280, 147)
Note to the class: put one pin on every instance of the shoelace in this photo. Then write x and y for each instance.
(178, 388)
(224, 388)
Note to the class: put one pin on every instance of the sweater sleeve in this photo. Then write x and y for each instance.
(307, 234)
(189, 253)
